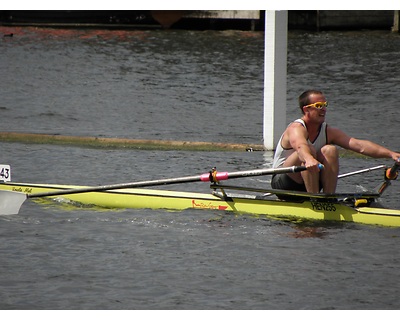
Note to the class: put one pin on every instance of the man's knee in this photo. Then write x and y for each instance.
(330, 151)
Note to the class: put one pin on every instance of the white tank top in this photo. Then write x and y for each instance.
(282, 154)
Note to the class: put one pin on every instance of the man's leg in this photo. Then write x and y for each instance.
(310, 179)
(329, 157)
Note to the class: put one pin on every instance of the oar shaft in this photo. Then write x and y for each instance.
(361, 171)
(207, 177)
(117, 186)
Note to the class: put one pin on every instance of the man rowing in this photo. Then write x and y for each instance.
(309, 141)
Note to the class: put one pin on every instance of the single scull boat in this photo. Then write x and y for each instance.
(352, 207)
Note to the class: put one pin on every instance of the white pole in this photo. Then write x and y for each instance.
(275, 62)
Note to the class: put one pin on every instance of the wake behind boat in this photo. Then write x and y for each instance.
(356, 207)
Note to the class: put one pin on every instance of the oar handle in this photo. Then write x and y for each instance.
(392, 173)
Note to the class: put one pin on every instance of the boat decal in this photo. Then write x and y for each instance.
(323, 206)
(21, 189)
(207, 205)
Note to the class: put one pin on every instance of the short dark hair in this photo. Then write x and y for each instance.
(304, 98)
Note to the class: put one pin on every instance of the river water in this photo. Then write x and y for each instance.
(195, 86)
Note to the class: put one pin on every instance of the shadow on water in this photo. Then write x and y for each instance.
(302, 228)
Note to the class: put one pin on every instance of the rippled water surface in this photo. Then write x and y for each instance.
(196, 86)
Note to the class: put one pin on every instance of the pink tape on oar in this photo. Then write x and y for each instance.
(215, 176)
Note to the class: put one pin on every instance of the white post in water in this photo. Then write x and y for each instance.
(275, 61)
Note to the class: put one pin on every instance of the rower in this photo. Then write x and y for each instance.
(309, 141)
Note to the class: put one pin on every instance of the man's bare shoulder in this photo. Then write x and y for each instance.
(336, 136)
(294, 133)
(295, 126)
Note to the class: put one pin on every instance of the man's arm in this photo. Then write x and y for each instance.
(298, 139)
(364, 147)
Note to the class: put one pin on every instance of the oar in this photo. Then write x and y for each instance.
(390, 174)
(361, 171)
(11, 201)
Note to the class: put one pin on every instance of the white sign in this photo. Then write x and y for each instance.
(5, 172)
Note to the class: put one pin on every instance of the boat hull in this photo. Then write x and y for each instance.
(177, 200)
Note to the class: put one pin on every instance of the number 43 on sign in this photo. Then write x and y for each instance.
(5, 172)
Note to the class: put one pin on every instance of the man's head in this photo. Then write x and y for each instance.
(311, 98)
